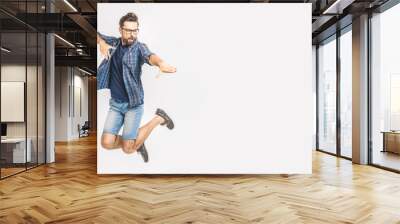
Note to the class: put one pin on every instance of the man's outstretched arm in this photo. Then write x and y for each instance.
(104, 47)
(164, 67)
(99, 39)
(105, 43)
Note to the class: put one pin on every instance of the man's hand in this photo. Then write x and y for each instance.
(166, 68)
(104, 49)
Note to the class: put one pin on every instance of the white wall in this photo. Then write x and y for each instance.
(242, 96)
(15, 72)
(61, 103)
(79, 117)
(69, 79)
(34, 125)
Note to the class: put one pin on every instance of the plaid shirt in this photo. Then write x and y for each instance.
(132, 62)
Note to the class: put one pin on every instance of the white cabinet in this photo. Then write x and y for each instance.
(18, 149)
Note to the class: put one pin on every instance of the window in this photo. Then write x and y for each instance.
(346, 93)
(327, 96)
(385, 89)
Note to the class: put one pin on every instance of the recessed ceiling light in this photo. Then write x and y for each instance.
(70, 5)
(64, 40)
(86, 72)
(5, 50)
(338, 6)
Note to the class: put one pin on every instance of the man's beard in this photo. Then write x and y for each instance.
(129, 41)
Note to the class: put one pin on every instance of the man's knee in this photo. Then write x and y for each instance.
(107, 142)
(129, 146)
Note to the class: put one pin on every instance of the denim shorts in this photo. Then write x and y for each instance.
(120, 114)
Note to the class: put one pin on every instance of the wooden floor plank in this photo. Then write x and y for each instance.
(70, 191)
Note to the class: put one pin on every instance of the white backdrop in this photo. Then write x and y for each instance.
(241, 99)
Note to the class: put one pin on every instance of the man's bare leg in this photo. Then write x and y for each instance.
(146, 130)
(128, 146)
(110, 141)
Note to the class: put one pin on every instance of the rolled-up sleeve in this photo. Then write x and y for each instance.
(108, 39)
(145, 52)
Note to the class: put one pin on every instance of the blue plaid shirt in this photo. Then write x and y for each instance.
(132, 62)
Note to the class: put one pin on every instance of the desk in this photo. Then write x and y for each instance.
(391, 141)
(13, 150)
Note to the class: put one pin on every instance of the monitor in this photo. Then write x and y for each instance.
(3, 129)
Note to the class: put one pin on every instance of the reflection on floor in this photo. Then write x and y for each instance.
(387, 159)
(346, 152)
(11, 169)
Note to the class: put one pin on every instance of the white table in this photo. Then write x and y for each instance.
(19, 149)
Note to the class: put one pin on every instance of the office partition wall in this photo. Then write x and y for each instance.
(22, 77)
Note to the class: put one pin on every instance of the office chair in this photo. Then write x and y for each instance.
(84, 130)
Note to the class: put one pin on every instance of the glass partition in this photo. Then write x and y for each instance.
(13, 98)
(22, 64)
(385, 89)
(327, 96)
(346, 93)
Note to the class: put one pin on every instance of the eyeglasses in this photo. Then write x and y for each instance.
(130, 31)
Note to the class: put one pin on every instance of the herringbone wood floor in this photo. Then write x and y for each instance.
(70, 191)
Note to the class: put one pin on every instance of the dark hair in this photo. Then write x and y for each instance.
(130, 17)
